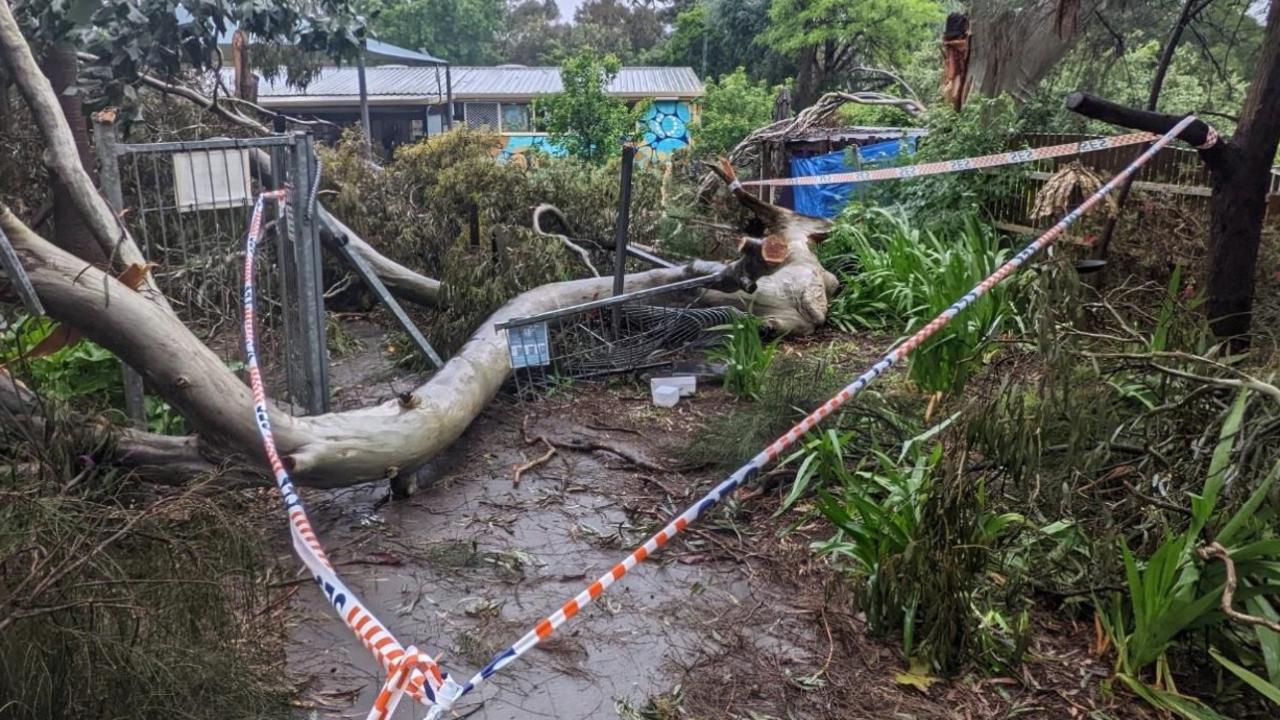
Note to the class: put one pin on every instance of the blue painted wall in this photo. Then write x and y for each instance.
(665, 125)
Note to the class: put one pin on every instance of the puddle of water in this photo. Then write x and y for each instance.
(471, 562)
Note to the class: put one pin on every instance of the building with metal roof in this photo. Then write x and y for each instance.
(408, 103)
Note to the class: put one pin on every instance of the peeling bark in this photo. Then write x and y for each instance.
(1012, 46)
(328, 450)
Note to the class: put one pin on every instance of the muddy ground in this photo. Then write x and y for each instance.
(736, 619)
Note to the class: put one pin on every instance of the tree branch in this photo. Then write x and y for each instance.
(1217, 551)
(62, 157)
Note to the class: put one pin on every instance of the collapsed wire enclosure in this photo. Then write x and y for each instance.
(641, 330)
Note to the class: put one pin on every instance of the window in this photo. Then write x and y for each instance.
(415, 129)
(515, 119)
(482, 115)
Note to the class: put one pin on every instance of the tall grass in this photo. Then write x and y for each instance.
(897, 275)
(121, 601)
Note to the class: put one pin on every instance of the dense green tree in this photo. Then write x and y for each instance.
(464, 32)
(584, 119)
(830, 37)
(716, 36)
(731, 109)
(628, 30)
(531, 32)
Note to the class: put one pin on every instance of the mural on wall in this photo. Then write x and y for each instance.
(665, 125)
(666, 129)
(521, 145)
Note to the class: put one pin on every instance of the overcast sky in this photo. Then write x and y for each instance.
(568, 7)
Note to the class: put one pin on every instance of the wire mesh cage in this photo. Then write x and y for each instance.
(638, 331)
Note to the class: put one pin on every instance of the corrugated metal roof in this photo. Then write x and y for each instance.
(395, 52)
(469, 82)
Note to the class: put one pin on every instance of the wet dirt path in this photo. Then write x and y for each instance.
(470, 562)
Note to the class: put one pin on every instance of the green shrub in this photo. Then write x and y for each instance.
(584, 119)
(1170, 595)
(733, 107)
(895, 275)
(984, 126)
(118, 600)
(916, 545)
(745, 355)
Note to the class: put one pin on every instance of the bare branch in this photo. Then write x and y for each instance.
(1216, 551)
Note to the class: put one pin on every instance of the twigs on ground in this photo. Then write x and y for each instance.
(1216, 551)
(591, 445)
(526, 467)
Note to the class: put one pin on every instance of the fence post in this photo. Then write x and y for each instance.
(307, 348)
(620, 230)
(104, 135)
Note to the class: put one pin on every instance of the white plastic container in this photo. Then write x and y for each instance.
(688, 384)
(665, 395)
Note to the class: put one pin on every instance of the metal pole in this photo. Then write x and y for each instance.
(473, 213)
(448, 98)
(620, 230)
(309, 280)
(104, 134)
(364, 103)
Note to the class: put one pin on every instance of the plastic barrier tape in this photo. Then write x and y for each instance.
(974, 163)
(548, 625)
(412, 672)
(416, 673)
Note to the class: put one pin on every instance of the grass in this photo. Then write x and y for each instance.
(122, 601)
(745, 355)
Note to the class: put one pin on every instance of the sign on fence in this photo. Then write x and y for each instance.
(212, 179)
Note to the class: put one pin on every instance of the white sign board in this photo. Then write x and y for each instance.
(211, 179)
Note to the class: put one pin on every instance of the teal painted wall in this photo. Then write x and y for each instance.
(665, 128)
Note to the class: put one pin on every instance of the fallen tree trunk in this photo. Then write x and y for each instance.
(792, 298)
(329, 450)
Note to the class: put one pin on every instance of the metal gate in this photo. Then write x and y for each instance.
(188, 205)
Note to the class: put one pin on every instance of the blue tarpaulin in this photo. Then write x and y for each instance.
(828, 200)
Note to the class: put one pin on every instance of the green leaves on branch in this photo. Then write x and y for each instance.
(168, 38)
(732, 108)
(584, 119)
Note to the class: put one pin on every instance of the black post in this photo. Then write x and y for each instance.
(620, 230)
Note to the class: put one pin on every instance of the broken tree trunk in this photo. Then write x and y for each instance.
(326, 450)
(1239, 170)
(1012, 46)
(792, 298)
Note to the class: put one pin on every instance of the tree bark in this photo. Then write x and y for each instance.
(1239, 170)
(61, 155)
(328, 450)
(71, 233)
(1239, 202)
(1014, 45)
